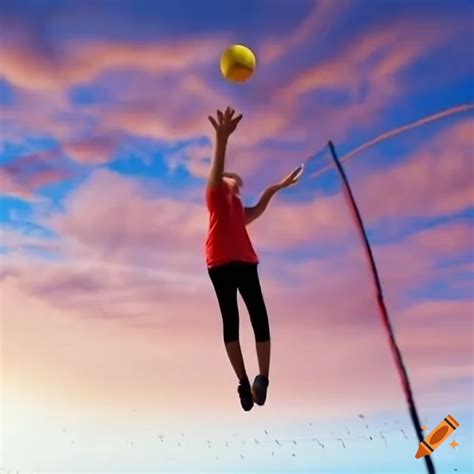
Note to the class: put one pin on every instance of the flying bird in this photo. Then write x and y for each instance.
(319, 442)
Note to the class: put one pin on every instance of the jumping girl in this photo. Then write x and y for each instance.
(232, 261)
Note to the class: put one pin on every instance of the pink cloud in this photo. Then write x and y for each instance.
(412, 262)
(84, 63)
(134, 267)
(348, 67)
(23, 176)
(36, 113)
(445, 241)
(113, 217)
(144, 121)
(432, 180)
(92, 218)
(437, 335)
(196, 158)
(145, 111)
(153, 311)
(26, 66)
(375, 59)
(91, 151)
(408, 264)
(183, 113)
(16, 242)
(316, 222)
(370, 72)
(261, 124)
(126, 221)
(316, 22)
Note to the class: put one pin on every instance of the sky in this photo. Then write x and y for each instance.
(112, 357)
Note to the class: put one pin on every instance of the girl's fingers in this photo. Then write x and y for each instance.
(296, 172)
(237, 119)
(213, 122)
(225, 119)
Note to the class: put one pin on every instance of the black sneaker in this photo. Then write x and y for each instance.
(259, 389)
(245, 394)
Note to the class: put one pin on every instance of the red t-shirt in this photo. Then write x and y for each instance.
(227, 238)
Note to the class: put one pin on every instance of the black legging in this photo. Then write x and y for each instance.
(229, 278)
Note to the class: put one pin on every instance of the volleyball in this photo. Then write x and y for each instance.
(237, 63)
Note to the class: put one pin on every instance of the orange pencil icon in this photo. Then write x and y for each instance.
(436, 437)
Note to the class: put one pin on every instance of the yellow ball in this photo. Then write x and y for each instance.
(237, 63)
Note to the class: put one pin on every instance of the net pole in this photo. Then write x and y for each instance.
(401, 369)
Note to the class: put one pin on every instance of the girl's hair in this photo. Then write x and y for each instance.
(230, 174)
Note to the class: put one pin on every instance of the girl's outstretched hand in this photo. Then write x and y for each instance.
(225, 123)
(291, 179)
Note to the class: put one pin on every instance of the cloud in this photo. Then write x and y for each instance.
(445, 241)
(91, 151)
(165, 91)
(316, 22)
(43, 113)
(133, 263)
(413, 263)
(262, 124)
(113, 217)
(16, 242)
(143, 120)
(405, 266)
(352, 87)
(196, 158)
(433, 180)
(321, 221)
(373, 57)
(132, 304)
(429, 331)
(181, 113)
(28, 66)
(23, 176)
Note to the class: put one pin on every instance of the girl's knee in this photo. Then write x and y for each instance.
(231, 335)
(262, 334)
